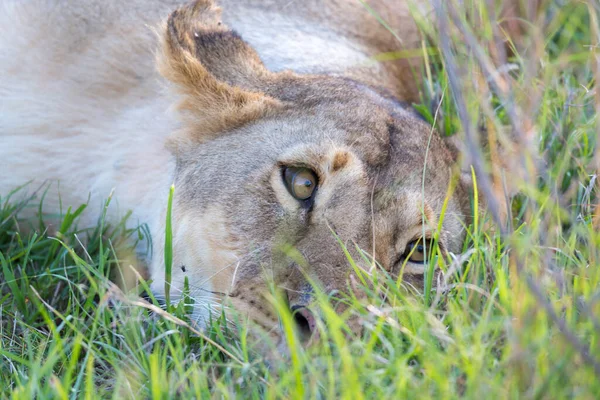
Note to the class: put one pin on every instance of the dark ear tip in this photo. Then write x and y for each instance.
(171, 28)
(173, 37)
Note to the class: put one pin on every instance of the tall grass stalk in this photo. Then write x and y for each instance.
(169, 248)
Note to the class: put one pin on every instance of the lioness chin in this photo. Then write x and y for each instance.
(282, 135)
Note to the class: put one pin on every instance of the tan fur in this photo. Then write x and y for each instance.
(86, 107)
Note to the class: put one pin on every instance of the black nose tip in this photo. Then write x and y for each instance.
(306, 324)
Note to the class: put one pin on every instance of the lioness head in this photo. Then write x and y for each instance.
(269, 162)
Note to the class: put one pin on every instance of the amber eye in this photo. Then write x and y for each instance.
(300, 182)
(418, 251)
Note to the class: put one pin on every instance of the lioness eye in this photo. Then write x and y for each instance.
(300, 182)
(415, 250)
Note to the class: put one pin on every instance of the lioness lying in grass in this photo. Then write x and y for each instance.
(272, 121)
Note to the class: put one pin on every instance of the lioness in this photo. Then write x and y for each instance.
(272, 121)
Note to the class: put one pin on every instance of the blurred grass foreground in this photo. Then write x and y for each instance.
(519, 316)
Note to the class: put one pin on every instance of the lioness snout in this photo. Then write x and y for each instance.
(306, 324)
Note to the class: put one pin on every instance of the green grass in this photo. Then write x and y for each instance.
(520, 317)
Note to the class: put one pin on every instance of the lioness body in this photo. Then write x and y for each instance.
(82, 104)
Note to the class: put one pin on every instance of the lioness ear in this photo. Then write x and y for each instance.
(214, 70)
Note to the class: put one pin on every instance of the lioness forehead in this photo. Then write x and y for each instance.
(336, 126)
(333, 115)
(371, 122)
(389, 138)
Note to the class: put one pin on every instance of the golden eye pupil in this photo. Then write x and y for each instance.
(306, 182)
(301, 182)
(415, 251)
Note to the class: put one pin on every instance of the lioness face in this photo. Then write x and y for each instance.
(274, 169)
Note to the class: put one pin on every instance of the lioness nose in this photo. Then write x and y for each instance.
(306, 324)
